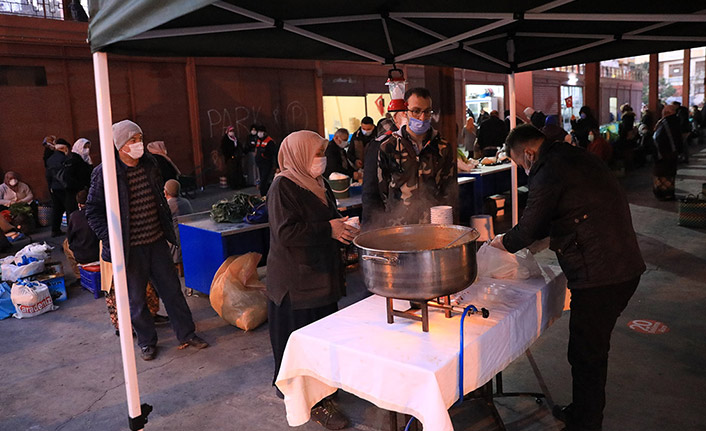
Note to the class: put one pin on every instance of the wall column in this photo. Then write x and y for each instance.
(592, 89)
(653, 80)
(194, 125)
(686, 76)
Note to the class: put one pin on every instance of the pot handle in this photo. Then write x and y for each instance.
(394, 260)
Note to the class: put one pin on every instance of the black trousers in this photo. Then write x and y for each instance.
(265, 178)
(234, 172)
(153, 262)
(283, 320)
(594, 312)
(61, 201)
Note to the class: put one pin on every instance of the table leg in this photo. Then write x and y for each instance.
(393, 421)
(390, 311)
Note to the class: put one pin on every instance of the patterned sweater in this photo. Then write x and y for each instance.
(144, 218)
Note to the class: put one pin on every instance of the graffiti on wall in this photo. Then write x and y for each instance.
(295, 117)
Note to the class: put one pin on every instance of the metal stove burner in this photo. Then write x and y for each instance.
(443, 303)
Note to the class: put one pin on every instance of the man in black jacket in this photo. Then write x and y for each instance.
(147, 227)
(57, 178)
(491, 134)
(336, 158)
(576, 201)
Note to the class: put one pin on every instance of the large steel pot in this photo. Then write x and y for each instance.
(416, 262)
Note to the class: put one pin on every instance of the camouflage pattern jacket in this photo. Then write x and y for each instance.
(411, 180)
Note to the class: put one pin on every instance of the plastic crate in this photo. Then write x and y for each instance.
(91, 281)
(57, 287)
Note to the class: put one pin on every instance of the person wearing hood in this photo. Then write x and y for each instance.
(583, 125)
(147, 231)
(552, 130)
(13, 191)
(57, 178)
(305, 277)
(167, 167)
(265, 159)
(249, 166)
(232, 151)
(359, 142)
(415, 166)
(336, 159)
(78, 167)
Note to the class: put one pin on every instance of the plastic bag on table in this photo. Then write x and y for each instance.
(495, 263)
(237, 294)
(31, 299)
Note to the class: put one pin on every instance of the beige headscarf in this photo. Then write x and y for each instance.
(158, 147)
(295, 156)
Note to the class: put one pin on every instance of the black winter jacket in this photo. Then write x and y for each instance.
(576, 200)
(96, 209)
(304, 260)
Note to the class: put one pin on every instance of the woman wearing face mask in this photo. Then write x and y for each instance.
(232, 151)
(265, 158)
(599, 146)
(78, 166)
(305, 276)
(583, 125)
(14, 191)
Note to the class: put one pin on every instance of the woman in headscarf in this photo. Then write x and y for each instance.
(78, 166)
(305, 277)
(167, 167)
(233, 154)
(13, 191)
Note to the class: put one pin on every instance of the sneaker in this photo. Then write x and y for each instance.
(327, 414)
(148, 353)
(194, 341)
(160, 320)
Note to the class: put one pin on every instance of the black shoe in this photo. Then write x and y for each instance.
(148, 353)
(194, 341)
(561, 412)
(327, 414)
(160, 320)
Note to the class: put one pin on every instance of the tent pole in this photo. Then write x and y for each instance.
(513, 169)
(100, 73)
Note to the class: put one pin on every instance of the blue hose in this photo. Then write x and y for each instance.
(460, 354)
(409, 423)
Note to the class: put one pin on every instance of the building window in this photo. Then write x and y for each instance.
(23, 76)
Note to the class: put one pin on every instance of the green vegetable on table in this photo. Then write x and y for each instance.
(233, 210)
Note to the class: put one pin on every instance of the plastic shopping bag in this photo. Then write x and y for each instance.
(7, 308)
(237, 294)
(35, 250)
(12, 272)
(496, 263)
(31, 299)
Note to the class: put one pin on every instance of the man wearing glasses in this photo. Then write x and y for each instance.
(415, 166)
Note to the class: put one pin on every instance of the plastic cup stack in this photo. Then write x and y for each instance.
(442, 214)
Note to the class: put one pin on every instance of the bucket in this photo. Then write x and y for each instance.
(340, 187)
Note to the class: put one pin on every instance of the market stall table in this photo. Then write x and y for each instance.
(399, 368)
(491, 180)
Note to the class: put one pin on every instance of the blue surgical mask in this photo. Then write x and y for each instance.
(418, 127)
(583, 115)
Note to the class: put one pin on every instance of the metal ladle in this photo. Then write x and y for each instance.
(461, 236)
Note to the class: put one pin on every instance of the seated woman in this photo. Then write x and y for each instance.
(14, 191)
(305, 276)
(17, 197)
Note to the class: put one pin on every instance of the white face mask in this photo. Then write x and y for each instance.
(528, 165)
(136, 150)
(318, 166)
(342, 144)
(253, 132)
(260, 135)
(13, 182)
(86, 151)
(366, 132)
(590, 137)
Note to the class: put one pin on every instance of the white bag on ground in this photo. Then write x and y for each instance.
(237, 294)
(12, 272)
(31, 299)
(496, 263)
(35, 250)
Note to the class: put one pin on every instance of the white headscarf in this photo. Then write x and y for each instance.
(295, 156)
(79, 148)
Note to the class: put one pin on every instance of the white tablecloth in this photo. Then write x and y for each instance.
(400, 368)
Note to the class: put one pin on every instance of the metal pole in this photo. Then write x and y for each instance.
(100, 73)
(513, 169)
